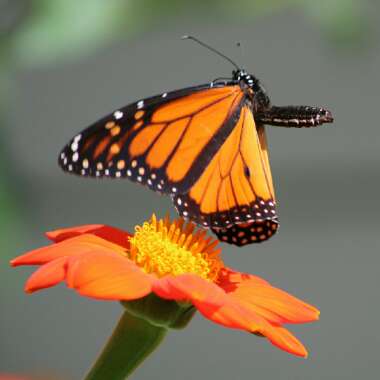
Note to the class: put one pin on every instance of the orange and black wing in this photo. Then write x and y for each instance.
(164, 142)
(234, 196)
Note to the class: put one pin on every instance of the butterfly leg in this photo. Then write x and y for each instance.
(294, 116)
(222, 80)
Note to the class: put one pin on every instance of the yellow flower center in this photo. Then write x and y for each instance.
(164, 248)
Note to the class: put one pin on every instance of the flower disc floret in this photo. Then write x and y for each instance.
(163, 248)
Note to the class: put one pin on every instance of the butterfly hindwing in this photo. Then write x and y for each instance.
(163, 142)
(235, 189)
(247, 233)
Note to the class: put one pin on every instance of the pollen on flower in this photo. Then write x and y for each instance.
(163, 248)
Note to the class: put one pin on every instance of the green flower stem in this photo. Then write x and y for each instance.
(133, 340)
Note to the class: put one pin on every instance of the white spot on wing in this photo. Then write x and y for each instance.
(140, 104)
(118, 115)
(74, 146)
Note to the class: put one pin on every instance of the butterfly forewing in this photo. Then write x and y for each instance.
(164, 141)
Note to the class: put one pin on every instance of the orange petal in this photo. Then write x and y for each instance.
(274, 304)
(46, 276)
(210, 300)
(268, 315)
(107, 275)
(285, 340)
(74, 246)
(190, 288)
(225, 310)
(230, 279)
(112, 234)
(235, 315)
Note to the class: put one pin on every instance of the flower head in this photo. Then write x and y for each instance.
(174, 261)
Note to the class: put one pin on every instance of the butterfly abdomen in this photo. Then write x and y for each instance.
(294, 116)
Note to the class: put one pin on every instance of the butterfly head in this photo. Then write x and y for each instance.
(244, 78)
(251, 85)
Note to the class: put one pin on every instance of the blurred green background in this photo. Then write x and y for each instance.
(65, 63)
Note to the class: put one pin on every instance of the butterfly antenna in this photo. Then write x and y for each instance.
(210, 48)
(240, 46)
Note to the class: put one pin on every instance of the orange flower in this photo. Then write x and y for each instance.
(175, 262)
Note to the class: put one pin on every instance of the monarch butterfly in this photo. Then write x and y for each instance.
(205, 146)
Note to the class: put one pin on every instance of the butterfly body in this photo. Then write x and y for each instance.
(205, 146)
